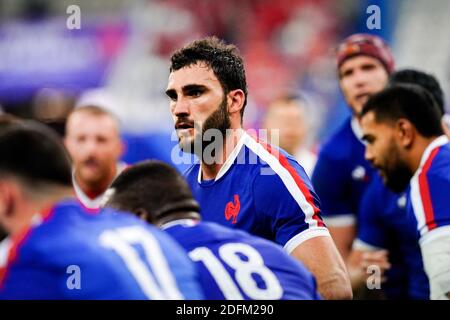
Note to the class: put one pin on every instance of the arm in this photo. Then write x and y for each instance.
(368, 247)
(436, 260)
(430, 204)
(343, 237)
(336, 206)
(320, 256)
(292, 207)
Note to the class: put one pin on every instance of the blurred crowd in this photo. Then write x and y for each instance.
(103, 89)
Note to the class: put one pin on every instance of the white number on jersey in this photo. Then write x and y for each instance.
(254, 264)
(157, 284)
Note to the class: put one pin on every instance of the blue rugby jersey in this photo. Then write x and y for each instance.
(342, 174)
(236, 265)
(430, 185)
(384, 223)
(68, 253)
(263, 190)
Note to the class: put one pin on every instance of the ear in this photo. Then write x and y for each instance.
(405, 132)
(7, 203)
(123, 147)
(143, 214)
(236, 99)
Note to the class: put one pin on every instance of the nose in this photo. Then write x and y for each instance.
(90, 146)
(181, 108)
(359, 78)
(368, 154)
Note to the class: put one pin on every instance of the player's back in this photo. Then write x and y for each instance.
(342, 174)
(386, 224)
(71, 254)
(236, 265)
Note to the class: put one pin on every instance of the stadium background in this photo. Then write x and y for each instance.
(119, 57)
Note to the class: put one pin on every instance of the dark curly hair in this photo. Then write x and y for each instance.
(222, 58)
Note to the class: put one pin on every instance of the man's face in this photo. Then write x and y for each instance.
(94, 144)
(197, 103)
(384, 152)
(359, 78)
(289, 120)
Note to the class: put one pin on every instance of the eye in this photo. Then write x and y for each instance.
(195, 93)
(171, 95)
(347, 73)
(368, 67)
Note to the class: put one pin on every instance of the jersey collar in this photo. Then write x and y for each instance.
(357, 130)
(230, 160)
(436, 143)
(183, 222)
(96, 202)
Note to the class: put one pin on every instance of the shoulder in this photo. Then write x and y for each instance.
(338, 145)
(192, 171)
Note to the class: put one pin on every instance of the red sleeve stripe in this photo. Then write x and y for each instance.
(425, 192)
(298, 180)
(17, 241)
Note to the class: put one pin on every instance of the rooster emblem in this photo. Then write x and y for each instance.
(232, 209)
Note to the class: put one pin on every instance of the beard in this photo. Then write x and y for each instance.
(215, 126)
(397, 175)
(398, 179)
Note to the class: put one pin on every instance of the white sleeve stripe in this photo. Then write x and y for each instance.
(295, 241)
(434, 234)
(359, 244)
(287, 179)
(342, 220)
(417, 203)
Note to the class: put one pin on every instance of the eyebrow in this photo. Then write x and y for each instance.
(187, 88)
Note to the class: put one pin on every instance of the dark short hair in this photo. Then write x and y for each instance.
(95, 111)
(223, 59)
(34, 152)
(407, 101)
(423, 79)
(154, 186)
(7, 120)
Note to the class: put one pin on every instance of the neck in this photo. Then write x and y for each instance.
(417, 151)
(210, 170)
(26, 209)
(93, 190)
(179, 215)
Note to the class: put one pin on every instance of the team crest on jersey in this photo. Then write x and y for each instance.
(232, 209)
(359, 174)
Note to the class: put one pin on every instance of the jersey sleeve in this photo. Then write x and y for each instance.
(330, 180)
(430, 200)
(287, 200)
(371, 234)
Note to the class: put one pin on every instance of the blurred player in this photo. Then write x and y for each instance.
(240, 182)
(287, 117)
(158, 193)
(405, 142)
(342, 174)
(6, 120)
(386, 225)
(94, 143)
(55, 250)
